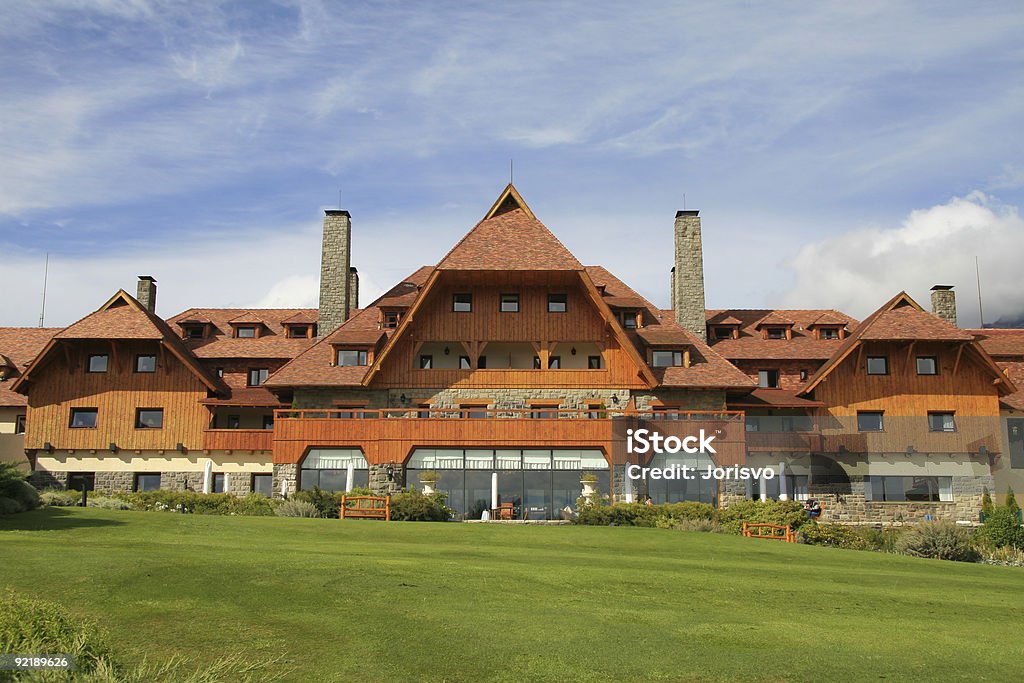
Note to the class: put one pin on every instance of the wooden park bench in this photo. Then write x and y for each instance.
(770, 532)
(366, 507)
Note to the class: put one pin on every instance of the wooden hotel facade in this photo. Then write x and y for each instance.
(510, 357)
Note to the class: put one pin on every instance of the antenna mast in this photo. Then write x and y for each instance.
(46, 272)
(977, 274)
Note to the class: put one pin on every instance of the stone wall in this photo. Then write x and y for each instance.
(108, 482)
(286, 472)
(688, 299)
(239, 483)
(850, 507)
(510, 399)
(45, 479)
(379, 482)
(335, 271)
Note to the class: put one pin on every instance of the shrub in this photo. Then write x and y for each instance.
(701, 525)
(296, 508)
(60, 497)
(1011, 503)
(986, 503)
(107, 503)
(834, 535)
(639, 514)
(939, 540)
(1002, 529)
(16, 494)
(327, 503)
(33, 626)
(781, 512)
(199, 503)
(413, 506)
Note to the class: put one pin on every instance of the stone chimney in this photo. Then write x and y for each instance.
(335, 262)
(353, 289)
(944, 303)
(688, 275)
(146, 292)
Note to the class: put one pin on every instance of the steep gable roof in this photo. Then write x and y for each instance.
(902, 319)
(509, 238)
(122, 317)
(19, 346)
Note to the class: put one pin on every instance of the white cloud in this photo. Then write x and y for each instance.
(858, 270)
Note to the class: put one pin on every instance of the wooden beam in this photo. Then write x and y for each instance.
(959, 354)
(910, 351)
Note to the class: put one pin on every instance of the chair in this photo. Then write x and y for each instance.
(505, 511)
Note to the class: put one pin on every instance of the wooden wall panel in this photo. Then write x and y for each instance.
(436, 322)
(964, 388)
(62, 384)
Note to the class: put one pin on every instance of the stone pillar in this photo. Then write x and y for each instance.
(379, 482)
(175, 481)
(285, 473)
(688, 289)
(109, 482)
(353, 290)
(239, 483)
(944, 303)
(731, 491)
(335, 270)
(146, 292)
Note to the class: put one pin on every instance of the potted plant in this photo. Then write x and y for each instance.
(429, 479)
(589, 482)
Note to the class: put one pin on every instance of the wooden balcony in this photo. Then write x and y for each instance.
(389, 435)
(238, 439)
(798, 433)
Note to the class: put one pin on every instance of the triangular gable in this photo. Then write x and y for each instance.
(400, 332)
(509, 238)
(123, 317)
(864, 332)
(508, 200)
(643, 370)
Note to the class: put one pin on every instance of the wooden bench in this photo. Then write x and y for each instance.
(759, 531)
(366, 507)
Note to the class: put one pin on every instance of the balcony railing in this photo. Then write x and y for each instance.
(238, 439)
(536, 412)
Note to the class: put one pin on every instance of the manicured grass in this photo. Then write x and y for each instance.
(372, 601)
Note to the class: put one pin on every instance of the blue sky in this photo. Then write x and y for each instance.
(838, 152)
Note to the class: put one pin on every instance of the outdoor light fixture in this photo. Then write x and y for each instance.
(180, 447)
(113, 447)
(391, 472)
(402, 399)
(983, 450)
(615, 399)
(911, 450)
(447, 351)
(573, 350)
(48, 447)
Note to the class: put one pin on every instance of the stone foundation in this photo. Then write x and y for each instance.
(109, 482)
(45, 479)
(379, 482)
(289, 473)
(239, 483)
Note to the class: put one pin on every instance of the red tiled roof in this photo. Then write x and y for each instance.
(1015, 371)
(773, 398)
(774, 318)
(828, 318)
(751, 346)
(272, 343)
(513, 240)
(246, 317)
(245, 396)
(20, 345)
(902, 319)
(1000, 342)
(708, 368)
(117, 322)
(725, 319)
(303, 317)
(907, 323)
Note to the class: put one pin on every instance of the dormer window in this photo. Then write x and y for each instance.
(194, 331)
(299, 331)
(629, 319)
(776, 332)
(723, 332)
(352, 357)
(245, 332)
(391, 319)
(828, 333)
(666, 359)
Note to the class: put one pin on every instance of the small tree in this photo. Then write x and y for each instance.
(986, 502)
(1011, 502)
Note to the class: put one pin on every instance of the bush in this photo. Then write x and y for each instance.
(665, 515)
(1002, 529)
(781, 512)
(60, 497)
(834, 535)
(16, 494)
(938, 540)
(413, 506)
(105, 503)
(33, 626)
(986, 503)
(296, 508)
(1011, 503)
(701, 525)
(200, 503)
(329, 502)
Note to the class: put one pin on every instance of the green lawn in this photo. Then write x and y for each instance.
(374, 601)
